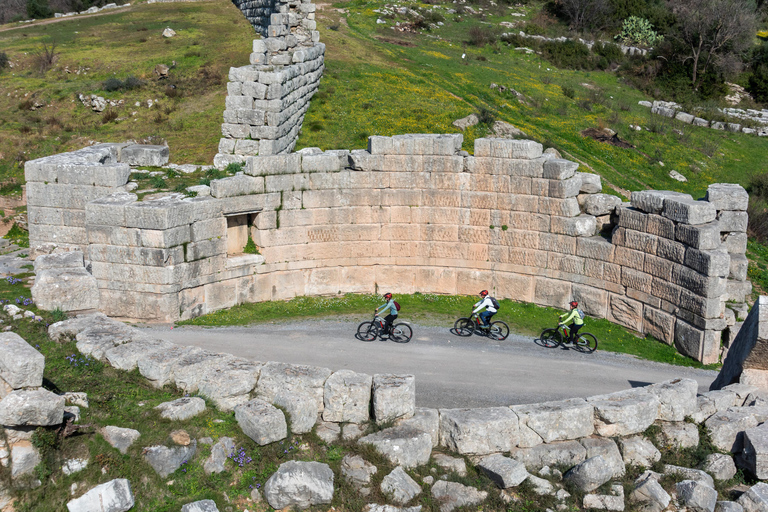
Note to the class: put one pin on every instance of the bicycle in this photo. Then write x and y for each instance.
(498, 330)
(554, 337)
(369, 331)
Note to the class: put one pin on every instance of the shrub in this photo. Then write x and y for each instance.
(234, 168)
(45, 56)
(637, 31)
(486, 116)
(250, 246)
(481, 36)
(568, 54)
(37, 9)
(758, 80)
(132, 83)
(112, 84)
(610, 51)
(3, 60)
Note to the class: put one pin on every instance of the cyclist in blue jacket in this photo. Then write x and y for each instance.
(391, 316)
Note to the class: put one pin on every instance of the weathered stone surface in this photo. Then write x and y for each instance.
(200, 506)
(261, 421)
(677, 398)
(638, 451)
(590, 474)
(347, 397)
(554, 421)
(60, 331)
(166, 460)
(229, 382)
(478, 431)
(299, 484)
(301, 409)
(452, 495)
(394, 396)
(608, 449)
(182, 408)
(505, 472)
(113, 496)
(679, 434)
(120, 438)
(95, 341)
(652, 201)
(465, 122)
(327, 431)
(689, 474)
(372, 507)
(755, 454)
(400, 487)
(20, 364)
(404, 446)
(625, 412)
(727, 196)
(450, 464)
(145, 155)
(688, 211)
(290, 378)
(755, 499)
(697, 496)
(726, 429)
(603, 502)
(126, 356)
(76, 398)
(728, 506)
(31, 407)
(601, 204)
(426, 420)
(189, 369)
(590, 183)
(220, 451)
(559, 169)
(353, 431)
(357, 470)
(68, 289)
(720, 466)
(72, 259)
(24, 459)
(562, 453)
(650, 496)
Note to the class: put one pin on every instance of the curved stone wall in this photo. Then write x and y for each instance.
(411, 213)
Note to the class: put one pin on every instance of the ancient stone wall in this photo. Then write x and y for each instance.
(267, 100)
(415, 213)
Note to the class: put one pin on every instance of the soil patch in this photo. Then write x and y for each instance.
(601, 136)
(395, 41)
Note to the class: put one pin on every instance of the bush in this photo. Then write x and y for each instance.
(568, 92)
(112, 84)
(45, 56)
(758, 80)
(610, 51)
(3, 60)
(481, 36)
(568, 54)
(638, 32)
(486, 116)
(37, 9)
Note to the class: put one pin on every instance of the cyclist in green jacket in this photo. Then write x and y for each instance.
(575, 315)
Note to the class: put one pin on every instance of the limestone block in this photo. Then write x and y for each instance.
(754, 457)
(650, 496)
(658, 324)
(453, 495)
(559, 453)
(688, 211)
(684, 117)
(560, 169)
(347, 397)
(554, 421)
(551, 292)
(68, 289)
(696, 495)
(652, 201)
(247, 147)
(357, 470)
(450, 464)
(638, 451)
(738, 267)
(21, 366)
(394, 397)
(229, 382)
(583, 225)
(400, 487)
(24, 458)
(677, 398)
(426, 420)
(726, 429)
(508, 148)
(402, 445)
(755, 499)
(564, 188)
(679, 434)
(126, 356)
(166, 460)
(158, 367)
(625, 412)
(720, 466)
(261, 422)
(727, 196)
(34, 407)
(590, 183)
(608, 450)
(592, 301)
(660, 226)
(181, 409)
(733, 221)
(301, 410)
(601, 204)
(626, 312)
(109, 210)
(632, 218)
(236, 186)
(504, 472)
(704, 237)
(590, 474)
(478, 431)
(281, 377)
(710, 263)
(112, 496)
(145, 155)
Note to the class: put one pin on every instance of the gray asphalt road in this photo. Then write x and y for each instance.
(450, 371)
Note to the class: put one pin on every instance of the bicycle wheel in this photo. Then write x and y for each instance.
(401, 333)
(586, 343)
(464, 327)
(550, 338)
(367, 331)
(498, 331)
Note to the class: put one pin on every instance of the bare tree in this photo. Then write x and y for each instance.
(586, 14)
(714, 32)
(11, 8)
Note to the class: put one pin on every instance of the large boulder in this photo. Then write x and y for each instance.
(554, 421)
(400, 487)
(479, 431)
(755, 499)
(113, 496)
(301, 409)
(166, 460)
(404, 446)
(452, 495)
(261, 421)
(562, 453)
(696, 496)
(67, 289)
(726, 429)
(394, 397)
(505, 472)
(650, 496)
(299, 484)
(33, 407)
(347, 397)
(120, 438)
(21, 366)
(590, 474)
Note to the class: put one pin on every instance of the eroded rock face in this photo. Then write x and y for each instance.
(113, 496)
(394, 397)
(301, 409)
(299, 484)
(755, 499)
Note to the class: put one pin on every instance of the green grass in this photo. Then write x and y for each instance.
(443, 310)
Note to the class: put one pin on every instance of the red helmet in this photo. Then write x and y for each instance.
(484, 293)
(574, 304)
(387, 295)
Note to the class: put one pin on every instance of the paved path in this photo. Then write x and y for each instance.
(450, 371)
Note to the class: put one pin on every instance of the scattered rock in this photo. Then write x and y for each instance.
(180, 437)
(504, 472)
(200, 506)
(261, 421)
(679, 434)
(465, 122)
(590, 474)
(181, 409)
(504, 130)
(697, 496)
(166, 460)
(327, 431)
(689, 474)
(74, 465)
(452, 495)
(35, 407)
(218, 457)
(650, 496)
(357, 470)
(450, 464)
(677, 176)
(113, 496)
(720, 466)
(169, 32)
(299, 484)
(639, 451)
(78, 399)
(352, 431)
(120, 438)
(400, 487)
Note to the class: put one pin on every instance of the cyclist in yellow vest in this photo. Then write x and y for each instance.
(577, 316)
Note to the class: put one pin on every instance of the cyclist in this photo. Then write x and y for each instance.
(578, 321)
(391, 316)
(490, 309)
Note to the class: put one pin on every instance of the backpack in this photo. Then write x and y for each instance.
(581, 313)
(494, 302)
(397, 306)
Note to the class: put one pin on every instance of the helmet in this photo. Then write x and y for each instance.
(574, 304)
(484, 293)
(387, 295)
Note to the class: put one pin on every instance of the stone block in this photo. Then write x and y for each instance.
(632, 218)
(659, 324)
(738, 267)
(704, 237)
(733, 221)
(726, 429)
(426, 420)
(267, 165)
(283, 378)
(554, 421)
(601, 204)
(400, 487)
(261, 422)
(735, 243)
(660, 226)
(394, 397)
(504, 472)
(508, 148)
(560, 453)
(583, 225)
(21, 366)
(31, 407)
(112, 496)
(478, 431)
(755, 454)
(301, 409)
(624, 413)
(590, 183)
(710, 263)
(638, 451)
(564, 188)
(727, 196)
(609, 450)
(696, 495)
(145, 155)
(551, 292)
(347, 397)
(560, 169)
(402, 445)
(625, 311)
(652, 201)
(234, 186)
(755, 499)
(68, 289)
(688, 211)
(590, 474)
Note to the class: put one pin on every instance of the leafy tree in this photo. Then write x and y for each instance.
(713, 33)
(758, 81)
(37, 9)
(638, 32)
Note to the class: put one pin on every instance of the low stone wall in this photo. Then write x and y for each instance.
(412, 213)
(674, 110)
